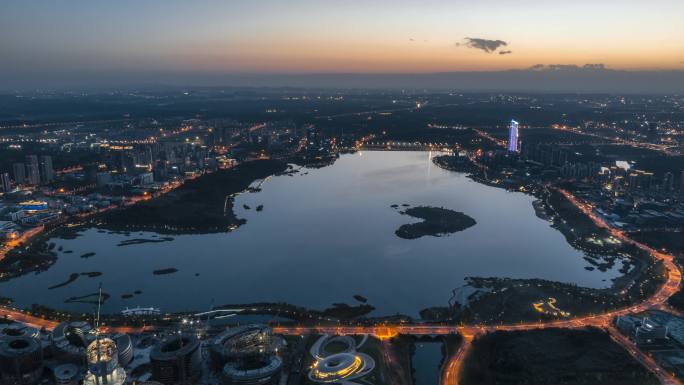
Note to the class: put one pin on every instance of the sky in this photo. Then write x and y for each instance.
(51, 40)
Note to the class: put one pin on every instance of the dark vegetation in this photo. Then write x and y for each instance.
(345, 311)
(360, 298)
(339, 310)
(578, 229)
(138, 241)
(508, 300)
(34, 256)
(677, 300)
(672, 241)
(169, 270)
(202, 205)
(551, 356)
(74, 276)
(437, 221)
(91, 299)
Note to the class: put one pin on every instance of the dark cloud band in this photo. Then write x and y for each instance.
(485, 45)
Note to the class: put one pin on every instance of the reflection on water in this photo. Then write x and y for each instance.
(322, 237)
(426, 362)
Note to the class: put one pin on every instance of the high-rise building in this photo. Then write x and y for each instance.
(19, 170)
(32, 170)
(513, 137)
(5, 182)
(103, 364)
(47, 173)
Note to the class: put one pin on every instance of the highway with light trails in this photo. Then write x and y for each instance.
(452, 364)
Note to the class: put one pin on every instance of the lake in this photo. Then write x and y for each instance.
(323, 236)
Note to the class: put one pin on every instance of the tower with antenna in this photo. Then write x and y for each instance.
(102, 357)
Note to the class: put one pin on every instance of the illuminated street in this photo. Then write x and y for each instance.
(350, 193)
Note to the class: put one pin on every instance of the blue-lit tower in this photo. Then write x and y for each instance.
(513, 137)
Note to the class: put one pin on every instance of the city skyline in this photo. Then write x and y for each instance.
(361, 192)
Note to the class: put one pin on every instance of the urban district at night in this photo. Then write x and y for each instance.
(341, 192)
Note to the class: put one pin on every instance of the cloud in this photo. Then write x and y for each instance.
(486, 45)
(505, 52)
(562, 67)
(568, 67)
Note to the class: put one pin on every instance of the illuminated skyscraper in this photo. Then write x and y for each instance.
(513, 137)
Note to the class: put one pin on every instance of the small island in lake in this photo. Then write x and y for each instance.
(437, 221)
(139, 241)
(91, 299)
(170, 270)
(72, 278)
(360, 298)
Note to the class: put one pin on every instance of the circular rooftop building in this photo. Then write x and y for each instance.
(265, 372)
(124, 346)
(21, 360)
(18, 330)
(176, 360)
(243, 342)
(247, 355)
(66, 374)
(69, 340)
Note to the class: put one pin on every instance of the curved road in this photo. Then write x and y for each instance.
(450, 376)
(672, 284)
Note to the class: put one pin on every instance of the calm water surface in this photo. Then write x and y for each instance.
(426, 362)
(323, 236)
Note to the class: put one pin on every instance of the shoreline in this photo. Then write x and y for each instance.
(637, 263)
(546, 211)
(537, 209)
(34, 255)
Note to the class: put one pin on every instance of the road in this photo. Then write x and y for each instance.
(450, 374)
(25, 236)
(664, 377)
(665, 149)
(452, 367)
(34, 231)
